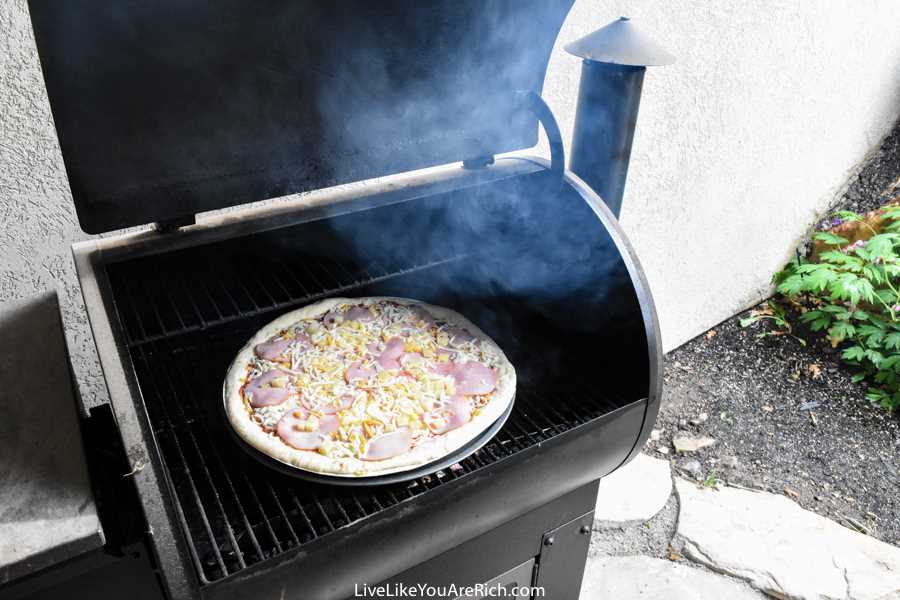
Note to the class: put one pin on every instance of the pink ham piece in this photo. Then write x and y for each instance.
(358, 371)
(359, 313)
(420, 314)
(272, 349)
(474, 378)
(301, 440)
(388, 445)
(259, 395)
(459, 336)
(443, 368)
(390, 356)
(457, 413)
(355, 313)
(329, 423)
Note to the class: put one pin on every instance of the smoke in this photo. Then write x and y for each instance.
(436, 83)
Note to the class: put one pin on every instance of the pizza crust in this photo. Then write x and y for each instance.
(308, 460)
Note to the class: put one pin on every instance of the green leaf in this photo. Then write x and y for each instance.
(875, 356)
(874, 273)
(882, 245)
(817, 319)
(830, 238)
(819, 280)
(892, 341)
(845, 261)
(873, 334)
(836, 310)
(847, 215)
(848, 286)
(858, 377)
(841, 330)
(791, 286)
(890, 362)
(854, 353)
(748, 321)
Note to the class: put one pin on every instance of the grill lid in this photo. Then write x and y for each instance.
(165, 109)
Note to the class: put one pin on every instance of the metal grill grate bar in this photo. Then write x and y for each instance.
(238, 303)
(235, 514)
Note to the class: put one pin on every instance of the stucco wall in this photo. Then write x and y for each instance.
(739, 146)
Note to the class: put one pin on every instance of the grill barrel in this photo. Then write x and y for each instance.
(177, 309)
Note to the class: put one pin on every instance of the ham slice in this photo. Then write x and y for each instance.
(329, 423)
(288, 431)
(359, 313)
(459, 336)
(272, 349)
(358, 371)
(355, 313)
(420, 314)
(457, 413)
(388, 445)
(443, 368)
(291, 431)
(474, 378)
(390, 357)
(259, 394)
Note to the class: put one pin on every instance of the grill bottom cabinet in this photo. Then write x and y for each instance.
(535, 261)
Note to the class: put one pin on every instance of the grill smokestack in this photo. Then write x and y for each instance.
(612, 74)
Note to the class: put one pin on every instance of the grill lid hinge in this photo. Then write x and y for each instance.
(170, 225)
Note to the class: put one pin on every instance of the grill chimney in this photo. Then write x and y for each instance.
(612, 74)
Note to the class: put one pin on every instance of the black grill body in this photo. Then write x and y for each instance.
(167, 109)
(538, 263)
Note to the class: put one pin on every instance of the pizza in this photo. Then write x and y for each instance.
(356, 387)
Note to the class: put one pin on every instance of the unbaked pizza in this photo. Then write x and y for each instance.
(366, 386)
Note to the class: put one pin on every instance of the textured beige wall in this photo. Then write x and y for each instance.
(739, 146)
(37, 219)
(741, 143)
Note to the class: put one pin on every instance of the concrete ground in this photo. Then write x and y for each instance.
(702, 540)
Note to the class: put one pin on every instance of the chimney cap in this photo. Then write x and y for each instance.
(620, 43)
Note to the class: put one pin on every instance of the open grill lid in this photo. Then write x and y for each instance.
(165, 109)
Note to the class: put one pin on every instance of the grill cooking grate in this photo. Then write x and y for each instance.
(236, 513)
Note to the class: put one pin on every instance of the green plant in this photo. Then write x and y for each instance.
(712, 480)
(852, 292)
(776, 314)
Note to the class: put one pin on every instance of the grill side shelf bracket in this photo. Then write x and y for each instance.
(562, 558)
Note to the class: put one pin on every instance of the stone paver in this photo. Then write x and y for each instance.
(782, 549)
(644, 578)
(637, 491)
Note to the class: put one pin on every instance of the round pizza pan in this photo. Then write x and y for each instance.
(369, 480)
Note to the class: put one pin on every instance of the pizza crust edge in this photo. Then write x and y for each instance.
(309, 460)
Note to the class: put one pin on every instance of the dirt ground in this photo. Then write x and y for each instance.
(785, 418)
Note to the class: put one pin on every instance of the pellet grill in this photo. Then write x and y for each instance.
(169, 109)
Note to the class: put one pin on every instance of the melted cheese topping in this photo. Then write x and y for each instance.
(324, 348)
